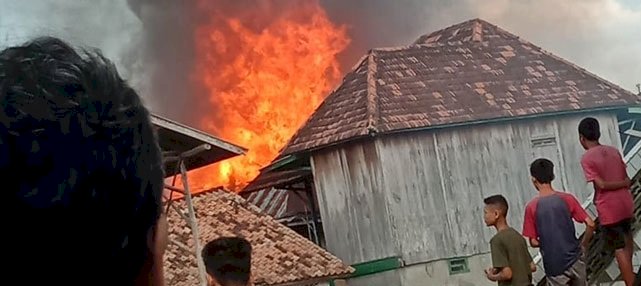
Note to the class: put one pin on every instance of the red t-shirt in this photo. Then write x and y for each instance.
(606, 163)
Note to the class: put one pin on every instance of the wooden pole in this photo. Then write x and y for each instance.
(194, 225)
(181, 246)
(312, 202)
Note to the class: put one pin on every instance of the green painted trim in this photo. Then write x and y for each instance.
(373, 267)
(634, 110)
(376, 266)
(281, 163)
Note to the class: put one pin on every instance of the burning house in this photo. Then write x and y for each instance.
(403, 152)
(279, 257)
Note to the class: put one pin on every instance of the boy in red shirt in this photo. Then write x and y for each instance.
(603, 166)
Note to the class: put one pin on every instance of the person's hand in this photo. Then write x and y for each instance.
(490, 273)
(599, 182)
(584, 247)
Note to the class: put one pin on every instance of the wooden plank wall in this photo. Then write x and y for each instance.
(420, 195)
(350, 197)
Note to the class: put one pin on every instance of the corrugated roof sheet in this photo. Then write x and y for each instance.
(281, 204)
(272, 202)
(277, 179)
(468, 72)
(279, 254)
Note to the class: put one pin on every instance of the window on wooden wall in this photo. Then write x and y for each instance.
(543, 141)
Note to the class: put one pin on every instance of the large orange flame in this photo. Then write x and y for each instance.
(264, 73)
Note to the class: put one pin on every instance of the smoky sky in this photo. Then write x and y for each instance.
(152, 41)
(166, 52)
(108, 25)
(601, 36)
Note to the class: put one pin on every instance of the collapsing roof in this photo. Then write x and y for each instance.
(279, 255)
(176, 138)
(470, 72)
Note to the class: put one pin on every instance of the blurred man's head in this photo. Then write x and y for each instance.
(228, 261)
(80, 169)
(589, 132)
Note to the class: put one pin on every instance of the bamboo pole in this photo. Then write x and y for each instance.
(194, 225)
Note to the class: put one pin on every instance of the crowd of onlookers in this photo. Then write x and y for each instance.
(548, 220)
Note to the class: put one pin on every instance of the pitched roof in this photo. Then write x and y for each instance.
(279, 254)
(470, 72)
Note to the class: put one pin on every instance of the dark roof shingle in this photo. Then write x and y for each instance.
(468, 72)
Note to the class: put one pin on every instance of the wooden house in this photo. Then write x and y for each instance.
(403, 152)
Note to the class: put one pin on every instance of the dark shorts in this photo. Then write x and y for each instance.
(616, 233)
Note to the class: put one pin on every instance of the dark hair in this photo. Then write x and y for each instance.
(498, 201)
(80, 166)
(589, 128)
(228, 260)
(542, 170)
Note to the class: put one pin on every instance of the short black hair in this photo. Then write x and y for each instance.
(80, 165)
(498, 201)
(589, 128)
(542, 170)
(228, 260)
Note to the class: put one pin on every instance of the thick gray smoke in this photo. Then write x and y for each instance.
(167, 53)
(599, 35)
(150, 48)
(106, 24)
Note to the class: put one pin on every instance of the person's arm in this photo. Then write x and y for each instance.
(581, 216)
(590, 171)
(532, 265)
(529, 226)
(612, 185)
(590, 226)
(500, 270)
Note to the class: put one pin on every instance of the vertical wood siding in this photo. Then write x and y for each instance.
(420, 195)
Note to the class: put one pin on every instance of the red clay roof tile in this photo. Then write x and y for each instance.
(280, 255)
